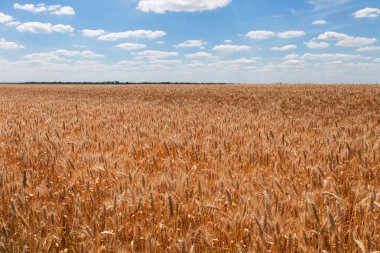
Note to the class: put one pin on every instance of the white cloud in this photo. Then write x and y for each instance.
(260, 34)
(31, 7)
(67, 52)
(265, 34)
(92, 33)
(79, 45)
(244, 70)
(4, 18)
(367, 13)
(130, 63)
(133, 34)
(241, 61)
(154, 54)
(43, 57)
(240, 64)
(309, 56)
(159, 62)
(82, 64)
(65, 10)
(85, 53)
(291, 34)
(39, 8)
(199, 55)
(293, 62)
(13, 23)
(333, 36)
(90, 54)
(377, 60)
(3, 61)
(37, 27)
(9, 44)
(235, 63)
(62, 28)
(319, 22)
(130, 46)
(368, 49)
(191, 43)
(291, 57)
(231, 48)
(356, 42)
(162, 6)
(284, 48)
(57, 56)
(345, 40)
(324, 57)
(316, 44)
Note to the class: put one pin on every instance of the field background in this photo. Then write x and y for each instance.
(166, 168)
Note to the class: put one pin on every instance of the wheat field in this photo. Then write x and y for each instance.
(218, 168)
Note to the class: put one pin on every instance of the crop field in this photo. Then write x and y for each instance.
(166, 168)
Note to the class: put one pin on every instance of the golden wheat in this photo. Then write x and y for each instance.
(190, 168)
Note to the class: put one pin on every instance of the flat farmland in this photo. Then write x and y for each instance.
(166, 168)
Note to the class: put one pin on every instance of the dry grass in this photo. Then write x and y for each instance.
(189, 168)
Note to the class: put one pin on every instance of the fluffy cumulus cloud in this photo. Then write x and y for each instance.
(85, 53)
(368, 49)
(132, 34)
(163, 63)
(325, 57)
(63, 10)
(291, 34)
(292, 62)
(260, 34)
(4, 44)
(284, 48)
(162, 6)
(345, 40)
(265, 34)
(231, 48)
(313, 44)
(13, 23)
(199, 55)
(319, 22)
(4, 18)
(367, 13)
(356, 42)
(191, 43)
(151, 54)
(61, 55)
(333, 36)
(240, 63)
(130, 63)
(130, 46)
(43, 57)
(92, 33)
(8, 20)
(37, 27)
(39, 8)
(62, 28)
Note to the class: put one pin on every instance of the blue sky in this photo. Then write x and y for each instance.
(245, 41)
